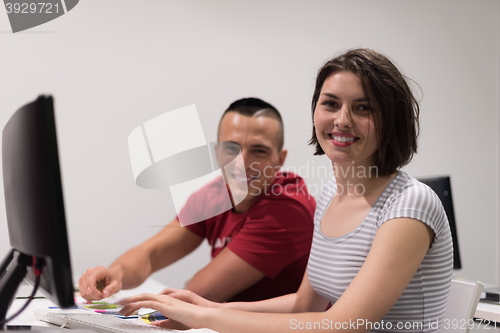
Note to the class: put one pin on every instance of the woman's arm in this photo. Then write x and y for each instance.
(397, 251)
(305, 300)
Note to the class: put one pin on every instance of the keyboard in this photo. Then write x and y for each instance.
(101, 323)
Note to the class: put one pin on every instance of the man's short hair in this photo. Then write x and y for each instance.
(255, 107)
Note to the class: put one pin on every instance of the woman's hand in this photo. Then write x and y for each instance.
(189, 297)
(177, 311)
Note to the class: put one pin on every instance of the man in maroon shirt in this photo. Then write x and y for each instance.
(259, 248)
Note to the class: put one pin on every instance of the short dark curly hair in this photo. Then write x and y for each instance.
(396, 108)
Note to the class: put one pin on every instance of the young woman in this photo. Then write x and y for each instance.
(382, 250)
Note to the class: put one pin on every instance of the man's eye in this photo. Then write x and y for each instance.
(231, 150)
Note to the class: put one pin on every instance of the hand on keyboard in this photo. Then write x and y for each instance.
(172, 308)
(190, 297)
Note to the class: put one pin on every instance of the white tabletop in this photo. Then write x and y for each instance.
(488, 311)
(27, 318)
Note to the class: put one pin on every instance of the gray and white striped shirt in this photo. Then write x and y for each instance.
(334, 262)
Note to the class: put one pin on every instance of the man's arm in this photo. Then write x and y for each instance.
(134, 266)
(225, 276)
(260, 248)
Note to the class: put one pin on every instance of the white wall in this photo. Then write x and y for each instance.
(113, 64)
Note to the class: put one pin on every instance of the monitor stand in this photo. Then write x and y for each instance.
(12, 272)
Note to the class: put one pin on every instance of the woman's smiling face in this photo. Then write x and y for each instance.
(344, 121)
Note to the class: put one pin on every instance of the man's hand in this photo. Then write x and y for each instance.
(99, 282)
(134, 266)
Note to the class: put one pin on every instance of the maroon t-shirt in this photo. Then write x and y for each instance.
(274, 235)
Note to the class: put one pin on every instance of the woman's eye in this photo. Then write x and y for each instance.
(363, 107)
(330, 104)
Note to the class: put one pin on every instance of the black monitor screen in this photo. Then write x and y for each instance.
(442, 187)
(34, 201)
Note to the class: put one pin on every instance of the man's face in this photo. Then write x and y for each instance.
(257, 137)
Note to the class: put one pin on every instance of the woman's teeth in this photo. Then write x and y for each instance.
(343, 138)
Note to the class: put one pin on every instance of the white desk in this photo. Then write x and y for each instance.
(488, 311)
(27, 318)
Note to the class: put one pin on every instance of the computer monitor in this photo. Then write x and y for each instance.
(442, 187)
(34, 206)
